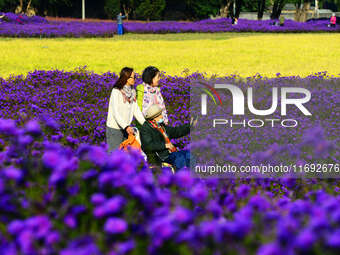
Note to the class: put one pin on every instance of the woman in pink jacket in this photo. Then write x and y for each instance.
(333, 20)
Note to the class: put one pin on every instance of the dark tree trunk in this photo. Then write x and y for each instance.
(277, 8)
(261, 6)
(281, 5)
(238, 8)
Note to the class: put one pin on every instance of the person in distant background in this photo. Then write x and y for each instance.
(333, 20)
(120, 29)
(234, 21)
(19, 20)
(282, 21)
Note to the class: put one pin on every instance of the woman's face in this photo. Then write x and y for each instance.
(155, 80)
(131, 80)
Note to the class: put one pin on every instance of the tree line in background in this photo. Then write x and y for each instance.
(160, 9)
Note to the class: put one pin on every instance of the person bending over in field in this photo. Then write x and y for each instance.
(332, 21)
(122, 108)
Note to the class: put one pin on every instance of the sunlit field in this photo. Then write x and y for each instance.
(221, 53)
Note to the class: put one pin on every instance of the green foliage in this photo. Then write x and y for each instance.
(252, 5)
(39, 5)
(112, 8)
(150, 9)
(144, 10)
(249, 5)
(7, 5)
(203, 9)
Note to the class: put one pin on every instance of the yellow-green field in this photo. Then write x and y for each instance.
(222, 53)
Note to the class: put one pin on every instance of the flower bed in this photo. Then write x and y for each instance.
(37, 26)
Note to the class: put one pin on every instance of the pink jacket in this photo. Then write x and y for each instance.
(333, 20)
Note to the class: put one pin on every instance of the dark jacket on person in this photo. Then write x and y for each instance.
(120, 19)
(153, 140)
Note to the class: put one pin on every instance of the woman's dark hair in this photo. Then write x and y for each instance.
(149, 73)
(124, 75)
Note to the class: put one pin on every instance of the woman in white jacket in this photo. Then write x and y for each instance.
(122, 108)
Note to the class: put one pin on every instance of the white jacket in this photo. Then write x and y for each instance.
(120, 114)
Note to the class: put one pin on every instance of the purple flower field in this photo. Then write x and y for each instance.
(39, 27)
(61, 193)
